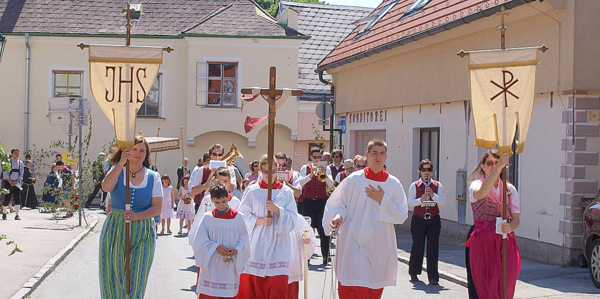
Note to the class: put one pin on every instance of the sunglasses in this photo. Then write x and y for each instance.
(359, 166)
(336, 156)
(316, 157)
(427, 169)
(217, 155)
(491, 163)
(283, 165)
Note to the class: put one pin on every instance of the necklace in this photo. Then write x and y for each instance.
(134, 173)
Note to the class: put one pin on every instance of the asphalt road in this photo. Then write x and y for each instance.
(173, 275)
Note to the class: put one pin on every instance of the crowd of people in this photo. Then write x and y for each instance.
(248, 244)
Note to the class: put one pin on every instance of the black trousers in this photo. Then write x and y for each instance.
(470, 284)
(97, 189)
(15, 194)
(314, 208)
(422, 229)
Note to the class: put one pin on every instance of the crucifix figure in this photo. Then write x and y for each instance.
(272, 95)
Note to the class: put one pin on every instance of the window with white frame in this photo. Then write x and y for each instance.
(152, 102)
(217, 84)
(67, 83)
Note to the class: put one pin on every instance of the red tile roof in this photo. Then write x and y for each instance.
(392, 31)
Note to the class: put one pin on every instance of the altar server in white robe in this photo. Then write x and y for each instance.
(268, 269)
(221, 248)
(364, 208)
(222, 175)
(298, 256)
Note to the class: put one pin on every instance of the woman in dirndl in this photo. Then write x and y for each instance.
(146, 202)
(485, 195)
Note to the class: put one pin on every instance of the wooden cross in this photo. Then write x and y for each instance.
(128, 10)
(271, 95)
(502, 27)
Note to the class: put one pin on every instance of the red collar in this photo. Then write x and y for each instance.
(381, 176)
(228, 215)
(276, 185)
(230, 196)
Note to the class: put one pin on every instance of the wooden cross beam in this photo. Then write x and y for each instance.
(128, 10)
(271, 95)
(502, 27)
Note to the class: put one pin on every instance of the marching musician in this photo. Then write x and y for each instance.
(348, 169)
(267, 272)
(336, 167)
(363, 209)
(199, 180)
(424, 195)
(292, 179)
(314, 193)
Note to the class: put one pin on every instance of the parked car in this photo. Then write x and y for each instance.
(591, 239)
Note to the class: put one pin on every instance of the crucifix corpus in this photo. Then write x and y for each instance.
(502, 96)
(272, 95)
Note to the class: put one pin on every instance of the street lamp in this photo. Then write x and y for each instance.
(2, 44)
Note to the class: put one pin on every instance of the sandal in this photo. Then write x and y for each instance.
(162, 232)
(179, 233)
(169, 232)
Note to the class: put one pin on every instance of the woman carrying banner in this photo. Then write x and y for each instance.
(146, 202)
(485, 194)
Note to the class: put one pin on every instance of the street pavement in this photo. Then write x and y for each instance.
(173, 274)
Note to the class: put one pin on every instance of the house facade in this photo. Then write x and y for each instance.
(397, 76)
(219, 47)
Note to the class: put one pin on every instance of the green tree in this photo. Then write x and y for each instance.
(271, 5)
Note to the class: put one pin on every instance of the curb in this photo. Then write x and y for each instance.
(39, 277)
(443, 274)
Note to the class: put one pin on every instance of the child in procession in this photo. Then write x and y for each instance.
(167, 206)
(221, 247)
(185, 207)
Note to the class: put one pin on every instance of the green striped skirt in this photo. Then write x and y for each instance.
(112, 256)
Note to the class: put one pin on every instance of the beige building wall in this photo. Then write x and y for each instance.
(202, 126)
(425, 84)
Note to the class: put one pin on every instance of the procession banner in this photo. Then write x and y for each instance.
(502, 95)
(120, 78)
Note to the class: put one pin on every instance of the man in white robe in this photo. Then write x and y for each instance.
(364, 208)
(267, 271)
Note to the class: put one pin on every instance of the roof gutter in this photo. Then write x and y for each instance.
(403, 41)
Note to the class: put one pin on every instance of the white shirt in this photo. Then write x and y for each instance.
(270, 246)
(366, 253)
(414, 201)
(515, 204)
(217, 277)
(305, 177)
(298, 257)
(15, 164)
(198, 173)
(157, 190)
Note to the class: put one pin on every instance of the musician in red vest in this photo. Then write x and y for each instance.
(348, 169)
(314, 193)
(336, 167)
(200, 181)
(425, 195)
(291, 179)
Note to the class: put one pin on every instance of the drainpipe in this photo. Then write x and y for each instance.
(331, 119)
(27, 69)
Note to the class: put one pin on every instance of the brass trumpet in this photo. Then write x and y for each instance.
(320, 174)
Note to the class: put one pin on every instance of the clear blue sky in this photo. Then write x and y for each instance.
(366, 3)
